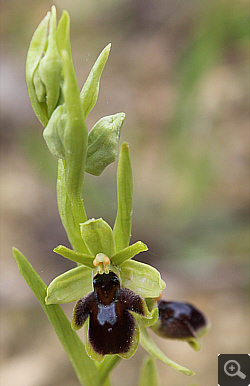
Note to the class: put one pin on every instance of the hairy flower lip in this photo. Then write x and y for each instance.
(113, 329)
(181, 321)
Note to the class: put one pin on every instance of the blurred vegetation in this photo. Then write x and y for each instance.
(179, 70)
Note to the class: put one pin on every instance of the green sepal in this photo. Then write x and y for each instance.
(103, 142)
(50, 67)
(77, 257)
(123, 221)
(128, 253)
(98, 237)
(149, 345)
(54, 132)
(141, 278)
(62, 34)
(90, 90)
(149, 374)
(70, 286)
(85, 368)
(35, 53)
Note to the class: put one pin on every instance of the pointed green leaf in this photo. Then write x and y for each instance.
(141, 278)
(123, 221)
(35, 53)
(85, 368)
(98, 237)
(149, 345)
(77, 257)
(90, 90)
(149, 374)
(103, 142)
(70, 286)
(128, 253)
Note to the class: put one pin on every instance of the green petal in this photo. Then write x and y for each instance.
(103, 142)
(90, 88)
(142, 279)
(128, 253)
(123, 221)
(98, 237)
(149, 374)
(77, 257)
(149, 345)
(70, 286)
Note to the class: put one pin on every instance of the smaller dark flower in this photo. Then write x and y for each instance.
(112, 327)
(181, 321)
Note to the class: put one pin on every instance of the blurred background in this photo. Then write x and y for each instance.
(180, 71)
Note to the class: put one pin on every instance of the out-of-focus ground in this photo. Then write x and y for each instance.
(180, 71)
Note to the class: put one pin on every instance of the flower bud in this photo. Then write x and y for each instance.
(103, 141)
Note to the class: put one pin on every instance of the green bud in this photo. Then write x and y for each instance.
(34, 84)
(103, 141)
(50, 67)
(54, 132)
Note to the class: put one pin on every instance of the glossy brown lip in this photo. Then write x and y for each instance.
(179, 320)
(111, 325)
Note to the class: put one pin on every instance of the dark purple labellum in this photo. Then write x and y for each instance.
(112, 328)
(180, 321)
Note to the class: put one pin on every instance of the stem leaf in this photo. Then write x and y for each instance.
(85, 368)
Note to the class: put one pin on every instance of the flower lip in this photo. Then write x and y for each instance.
(113, 329)
(182, 321)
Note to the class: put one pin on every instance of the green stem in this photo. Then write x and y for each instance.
(107, 366)
(72, 214)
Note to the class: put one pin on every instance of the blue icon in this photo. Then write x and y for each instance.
(232, 369)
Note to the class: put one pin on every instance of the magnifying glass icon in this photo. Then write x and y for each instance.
(232, 368)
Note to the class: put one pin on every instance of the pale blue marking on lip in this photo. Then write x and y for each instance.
(106, 314)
